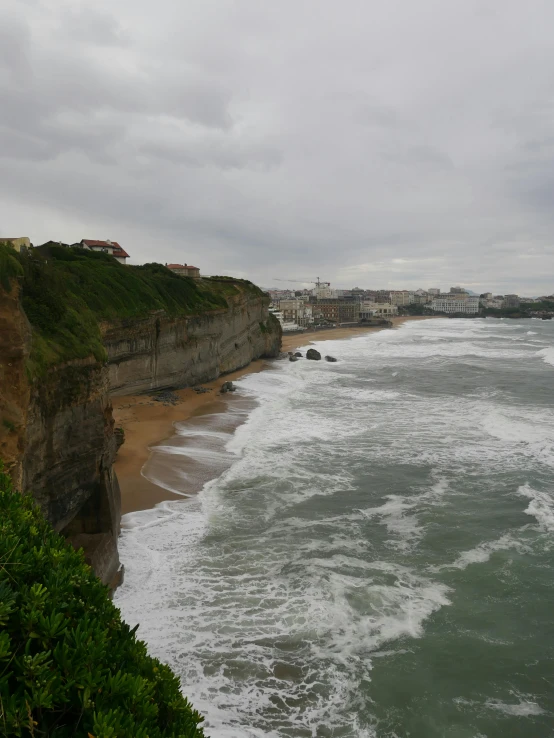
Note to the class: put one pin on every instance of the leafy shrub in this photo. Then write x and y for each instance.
(69, 666)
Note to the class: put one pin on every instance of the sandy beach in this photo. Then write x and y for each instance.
(147, 422)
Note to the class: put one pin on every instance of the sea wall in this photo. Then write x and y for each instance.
(161, 352)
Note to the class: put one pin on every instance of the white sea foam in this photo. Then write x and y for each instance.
(547, 355)
(523, 708)
(272, 591)
(541, 506)
(483, 552)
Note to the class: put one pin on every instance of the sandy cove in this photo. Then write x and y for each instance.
(147, 422)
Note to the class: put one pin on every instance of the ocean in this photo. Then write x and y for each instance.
(372, 554)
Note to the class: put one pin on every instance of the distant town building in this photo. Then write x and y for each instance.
(401, 297)
(494, 303)
(468, 305)
(324, 292)
(434, 291)
(108, 247)
(18, 243)
(337, 310)
(422, 298)
(185, 270)
(377, 309)
(296, 311)
(511, 301)
(378, 296)
(458, 291)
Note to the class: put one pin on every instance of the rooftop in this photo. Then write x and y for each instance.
(117, 250)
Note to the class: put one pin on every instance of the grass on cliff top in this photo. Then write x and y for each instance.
(69, 665)
(10, 268)
(66, 292)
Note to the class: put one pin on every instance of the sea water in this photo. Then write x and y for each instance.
(375, 555)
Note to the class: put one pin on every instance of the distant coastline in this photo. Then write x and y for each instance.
(146, 423)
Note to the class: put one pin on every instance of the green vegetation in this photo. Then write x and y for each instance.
(235, 284)
(525, 310)
(66, 292)
(10, 268)
(69, 666)
(413, 309)
(8, 425)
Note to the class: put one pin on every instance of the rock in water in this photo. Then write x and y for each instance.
(227, 387)
(298, 355)
(313, 355)
(330, 358)
(293, 358)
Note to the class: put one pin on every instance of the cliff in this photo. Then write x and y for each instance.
(76, 327)
(160, 351)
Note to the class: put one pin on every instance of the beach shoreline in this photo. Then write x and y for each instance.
(147, 423)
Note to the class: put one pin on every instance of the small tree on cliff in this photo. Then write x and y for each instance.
(69, 666)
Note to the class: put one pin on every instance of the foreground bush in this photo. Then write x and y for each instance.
(69, 666)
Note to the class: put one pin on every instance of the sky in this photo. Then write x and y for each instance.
(391, 144)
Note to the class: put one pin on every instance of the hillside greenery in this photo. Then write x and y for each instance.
(524, 310)
(69, 666)
(66, 292)
(10, 268)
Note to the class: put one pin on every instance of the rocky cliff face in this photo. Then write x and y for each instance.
(56, 433)
(57, 441)
(160, 352)
(67, 462)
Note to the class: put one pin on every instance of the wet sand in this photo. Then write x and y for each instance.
(147, 422)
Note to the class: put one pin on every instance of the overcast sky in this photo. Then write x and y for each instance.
(398, 143)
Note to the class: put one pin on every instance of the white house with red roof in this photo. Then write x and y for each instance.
(108, 247)
(185, 270)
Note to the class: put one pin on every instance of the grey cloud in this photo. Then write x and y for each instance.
(402, 144)
(90, 26)
(219, 152)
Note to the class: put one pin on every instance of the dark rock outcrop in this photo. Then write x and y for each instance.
(313, 355)
(227, 387)
(298, 355)
(330, 358)
(293, 358)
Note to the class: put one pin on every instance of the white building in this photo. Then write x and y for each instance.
(377, 310)
(468, 305)
(108, 247)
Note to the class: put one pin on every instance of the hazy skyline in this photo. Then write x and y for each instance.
(392, 145)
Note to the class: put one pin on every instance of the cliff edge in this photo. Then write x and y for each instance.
(76, 327)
